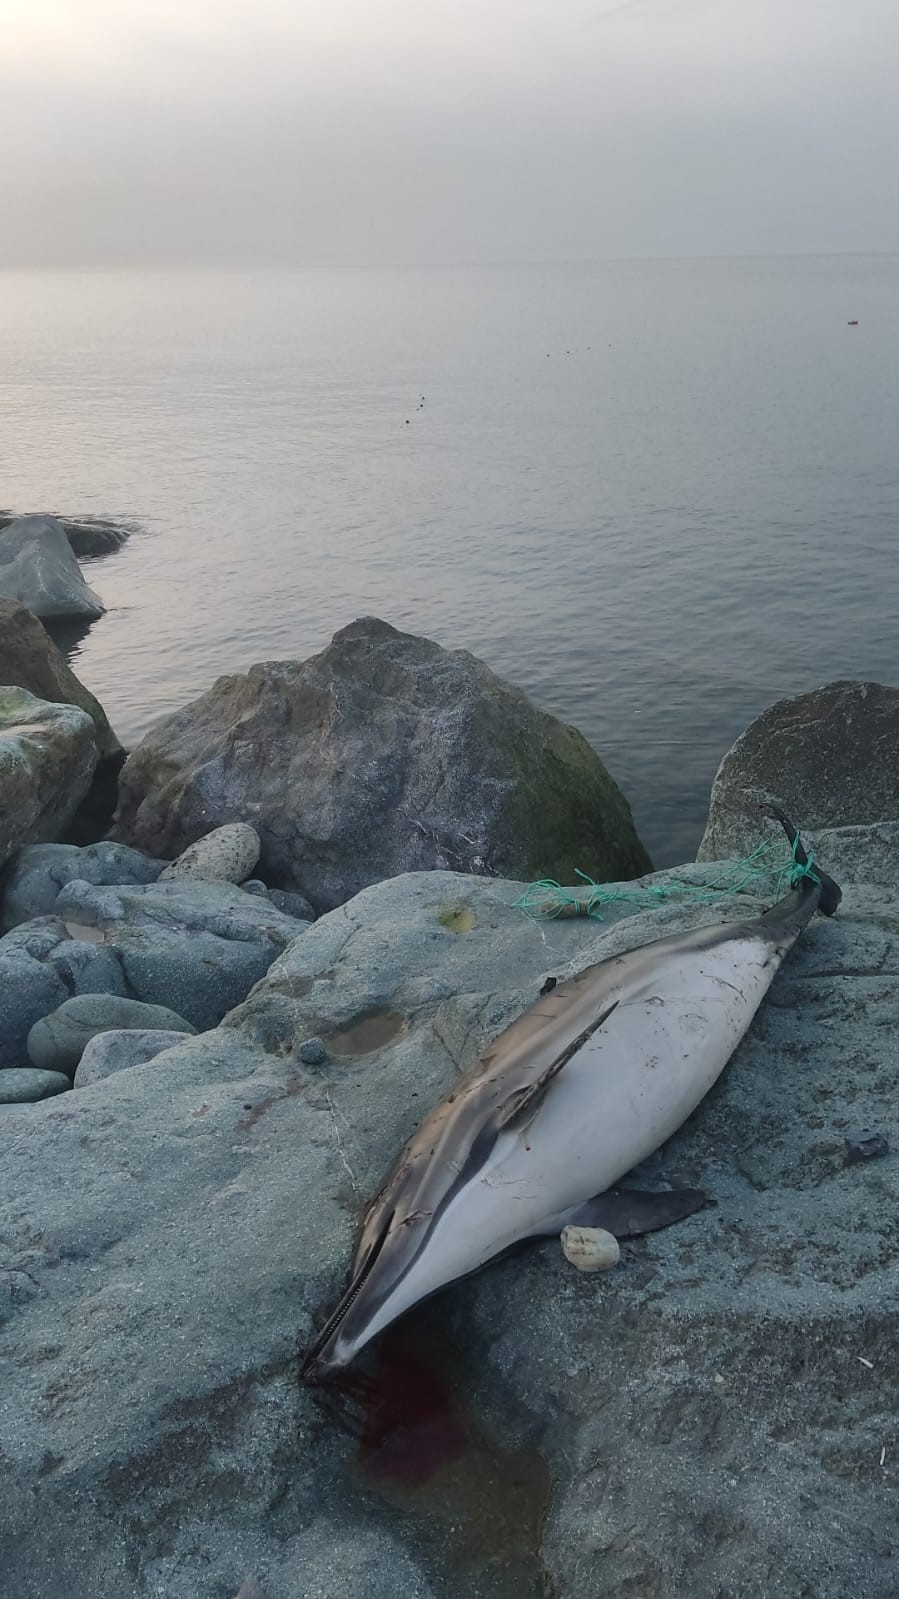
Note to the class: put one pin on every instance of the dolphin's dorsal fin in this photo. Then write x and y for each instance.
(526, 1098)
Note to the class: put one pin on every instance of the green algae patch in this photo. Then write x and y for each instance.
(457, 918)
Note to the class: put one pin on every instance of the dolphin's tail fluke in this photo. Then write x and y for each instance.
(831, 893)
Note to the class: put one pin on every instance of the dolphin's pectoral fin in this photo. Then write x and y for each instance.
(526, 1099)
(627, 1212)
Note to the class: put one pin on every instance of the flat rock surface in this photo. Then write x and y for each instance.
(829, 757)
(48, 756)
(383, 754)
(38, 567)
(706, 1419)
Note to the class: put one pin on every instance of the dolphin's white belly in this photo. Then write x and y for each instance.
(627, 1090)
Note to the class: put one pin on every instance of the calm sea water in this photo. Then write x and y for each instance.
(657, 495)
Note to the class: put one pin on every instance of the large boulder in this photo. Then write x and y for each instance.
(38, 568)
(48, 756)
(383, 754)
(29, 659)
(829, 757)
(708, 1419)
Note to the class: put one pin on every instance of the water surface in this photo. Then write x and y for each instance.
(655, 494)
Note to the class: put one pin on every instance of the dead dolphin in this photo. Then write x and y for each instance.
(574, 1094)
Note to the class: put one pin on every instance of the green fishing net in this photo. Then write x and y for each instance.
(768, 871)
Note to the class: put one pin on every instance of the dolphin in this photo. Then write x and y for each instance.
(580, 1089)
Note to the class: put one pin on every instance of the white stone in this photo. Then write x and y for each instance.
(590, 1248)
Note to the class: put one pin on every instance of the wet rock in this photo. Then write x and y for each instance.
(47, 759)
(830, 758)
(107, 1053)
(88, 536)
(57, 1042)
(40, 871)
(29, 659)
(693, 1408)
(20, 1085)
(38, 568)
(226, 855)
(400, 755)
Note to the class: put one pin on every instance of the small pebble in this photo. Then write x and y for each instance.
(866, 1145)
(313, 1052)
(590, 1248)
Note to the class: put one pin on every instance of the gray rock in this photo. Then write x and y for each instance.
(107, 1053)
(290, 901)
(89, 536)
(661, 1431)
(226, 855)
(830, 758)
(57, 1042)
(312, 1053)
(47, 759)
(398, 755)
(38, 568)
(39, 871)
(30, 985)
(195, 947)
(199, 947)
(29, 659)
(20, 1085)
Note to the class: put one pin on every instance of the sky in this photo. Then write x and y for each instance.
(292, 132)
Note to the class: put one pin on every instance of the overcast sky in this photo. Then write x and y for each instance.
(282, 131)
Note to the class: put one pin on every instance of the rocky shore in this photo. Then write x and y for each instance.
(219, 1022)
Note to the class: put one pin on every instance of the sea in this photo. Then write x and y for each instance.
(658, 495)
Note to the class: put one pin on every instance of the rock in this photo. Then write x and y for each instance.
(312, 1053)
(291, 902)
(47, 760)
(31, 986)
(865, 1146)
(161, 1261)
(384, 753)
(590, 1248)
(830, 758)
(56, 1042)
(196, 947)
(20, 1085)
(107, 1053)
(226, 855)
(199, 947)
(89, 536)
(29, 659)
(39, 871)
(38, 568)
